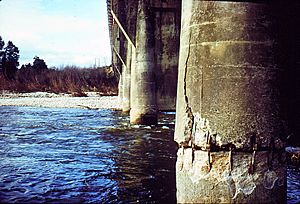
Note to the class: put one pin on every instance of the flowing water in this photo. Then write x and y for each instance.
(92, 156)
(77, 155)
(293, 185)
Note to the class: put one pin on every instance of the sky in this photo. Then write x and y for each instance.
(62, 32)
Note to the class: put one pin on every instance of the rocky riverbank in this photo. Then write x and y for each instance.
(52, 100)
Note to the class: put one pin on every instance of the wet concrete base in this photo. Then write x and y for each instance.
(145, 116)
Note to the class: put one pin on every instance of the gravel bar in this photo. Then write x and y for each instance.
(52, 100)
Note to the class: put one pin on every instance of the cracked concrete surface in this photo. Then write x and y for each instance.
(227, 93)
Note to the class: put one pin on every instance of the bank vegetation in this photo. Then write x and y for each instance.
(69, 79)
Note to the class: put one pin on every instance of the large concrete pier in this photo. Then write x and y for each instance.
(237, 93)
(228, 119)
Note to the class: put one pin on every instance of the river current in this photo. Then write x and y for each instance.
(50, 155)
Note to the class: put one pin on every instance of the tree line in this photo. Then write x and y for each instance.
(38, 77)
(9, 59)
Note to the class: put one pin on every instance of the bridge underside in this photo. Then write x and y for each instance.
(145, 47)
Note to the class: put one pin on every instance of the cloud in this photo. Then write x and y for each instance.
(58, 37)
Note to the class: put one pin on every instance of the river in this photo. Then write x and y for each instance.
(60, 155)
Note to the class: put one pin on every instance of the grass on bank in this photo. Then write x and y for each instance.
(69, 79)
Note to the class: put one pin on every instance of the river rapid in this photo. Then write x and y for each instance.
(70, 155)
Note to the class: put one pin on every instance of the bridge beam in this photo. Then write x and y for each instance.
(228, 117)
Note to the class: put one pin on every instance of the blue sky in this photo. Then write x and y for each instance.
(62, 32)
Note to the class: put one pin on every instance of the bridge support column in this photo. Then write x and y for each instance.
(228, 118)
(143, 94)
(120, 89)
(126, 80)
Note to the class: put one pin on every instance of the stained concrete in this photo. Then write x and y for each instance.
(166, 33)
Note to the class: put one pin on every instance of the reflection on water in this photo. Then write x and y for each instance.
(293, 185)
(75, 155)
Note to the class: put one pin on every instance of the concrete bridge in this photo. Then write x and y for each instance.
(237, 66)
(147, 61)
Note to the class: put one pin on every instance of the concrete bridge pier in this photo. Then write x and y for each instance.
(126, 80)
(228, 119)
(143, 93)
(120, 89)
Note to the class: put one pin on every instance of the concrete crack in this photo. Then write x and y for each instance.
(190, 117)
(185, 72)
